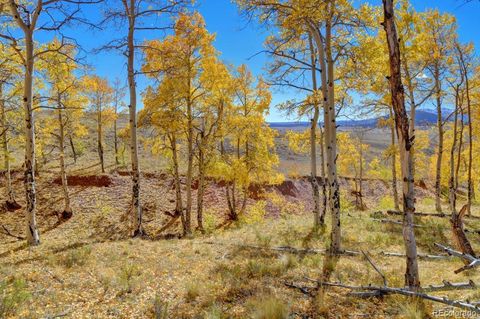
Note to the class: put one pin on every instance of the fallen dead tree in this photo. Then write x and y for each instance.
(399, 213)
(287, 249)
(392, 221)
(312, 251)
(446, 285)
(377, 291)
(421, 256)
(472, 262)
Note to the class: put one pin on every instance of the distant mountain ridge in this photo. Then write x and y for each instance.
(422, 118)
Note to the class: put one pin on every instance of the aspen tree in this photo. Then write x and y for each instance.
(100, 95)
(412, 278)
(65, 100)
(331, 24)
(118, 104)
(27, 18)
(136, 13)
(437, 43)
(180, 58)
(9, 74)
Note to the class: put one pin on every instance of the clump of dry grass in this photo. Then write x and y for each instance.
(75, 258)
(193, 291)
(270, 308)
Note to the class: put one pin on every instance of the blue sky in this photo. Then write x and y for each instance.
(238, 40)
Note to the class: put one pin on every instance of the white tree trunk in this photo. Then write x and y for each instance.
(6, 151)
(31, 198)
(438, 175)
(394, 163)
(412, 278)
(335, 240)
(67, 211)
(317, 212)
(100, 135)
(136, 205)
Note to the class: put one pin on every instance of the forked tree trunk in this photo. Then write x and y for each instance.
(136, 204)
(412, 278)
(438, 174)
(67, 210)
(394, 162)
(329, 113)
(6, 152)
(317, 214)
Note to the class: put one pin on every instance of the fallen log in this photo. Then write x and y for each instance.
(399, 213)
(450, 286)
(421, 256)
(288, 249)
(381, 291)
(472, 262)
(396, 222)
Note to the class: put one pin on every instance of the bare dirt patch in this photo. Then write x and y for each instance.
(86, 180)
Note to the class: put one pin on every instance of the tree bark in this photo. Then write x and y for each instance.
(72, 146)
(412, 278)
(201, 183)
(394, 162)
(176, 181)
(188, 212)
(100, 135)
(115, 138)
(452, 190)
(317, 214)
(459, 237)
(329, 114)
(470, 190)
(6, 152)
(460, 147)
(136, 204)
(323, 175)
(438, 175)
(67, 211)
(31, 196)
(335, 238)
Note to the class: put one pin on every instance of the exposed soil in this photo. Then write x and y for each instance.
(86, 180)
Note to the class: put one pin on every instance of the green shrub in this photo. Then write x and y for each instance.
(386, 202)
(160, 308)
(255, 215)
(13, 294)
(346, 205)
(127, 276)
(209, 222)
(76, 257)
